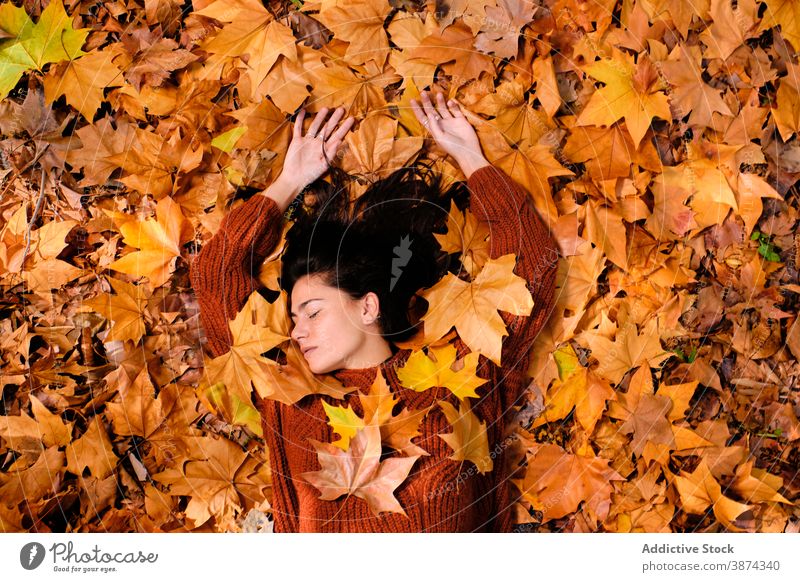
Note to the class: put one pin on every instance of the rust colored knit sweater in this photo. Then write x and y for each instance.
(439, 494)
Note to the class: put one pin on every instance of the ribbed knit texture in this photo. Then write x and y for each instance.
(439, 494)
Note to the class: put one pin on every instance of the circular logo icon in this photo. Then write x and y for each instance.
(31, 555)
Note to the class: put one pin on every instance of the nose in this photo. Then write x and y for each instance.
(297, 332)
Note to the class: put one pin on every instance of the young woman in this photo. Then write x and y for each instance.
(347, 311)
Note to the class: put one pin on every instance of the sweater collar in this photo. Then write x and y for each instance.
(364, 377)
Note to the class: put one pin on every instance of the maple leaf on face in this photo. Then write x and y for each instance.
(125, 310)
(468, 440)
(420, 372)
(293, 380)
(360, 23)
(159, 242)
(31, 46)
(359, 471)
(253, 335)
(632, 92)
(472, 307)
(468, 236)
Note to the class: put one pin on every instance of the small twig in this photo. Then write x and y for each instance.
(34, 218)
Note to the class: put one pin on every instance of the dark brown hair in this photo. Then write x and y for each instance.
(381, 242)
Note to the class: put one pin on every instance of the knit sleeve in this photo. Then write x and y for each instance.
(222, 273)
(515, 227)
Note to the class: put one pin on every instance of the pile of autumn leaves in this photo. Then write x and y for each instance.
(660, 398)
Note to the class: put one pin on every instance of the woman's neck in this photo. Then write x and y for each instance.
(372, 354)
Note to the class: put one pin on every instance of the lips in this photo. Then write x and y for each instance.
(306, 350)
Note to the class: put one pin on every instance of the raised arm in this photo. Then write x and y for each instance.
(516, 227)
(222, 273)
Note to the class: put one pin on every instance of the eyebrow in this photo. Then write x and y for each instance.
(304, 303)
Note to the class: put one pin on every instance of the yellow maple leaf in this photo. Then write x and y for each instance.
(468, 440)
(344, 421)
(421, 372)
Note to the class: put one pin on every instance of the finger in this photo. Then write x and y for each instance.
(431, 122)
(441, 107)
(427, 105)
(297, 130)
(418, 112)
(334, 119)
(313, 131)
(343, 129)
(455, 108)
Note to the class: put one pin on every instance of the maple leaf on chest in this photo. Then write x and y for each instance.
(468, 440)
(359, 471)
(377, 405)
(472, 307)
(421, 372)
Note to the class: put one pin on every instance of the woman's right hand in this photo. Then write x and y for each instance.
(307, 156)
(450, 128)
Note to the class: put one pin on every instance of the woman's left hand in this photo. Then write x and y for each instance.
(451, 130)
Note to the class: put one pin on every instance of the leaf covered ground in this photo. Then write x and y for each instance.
(658, 138)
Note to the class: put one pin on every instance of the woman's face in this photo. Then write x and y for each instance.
(332, 329)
